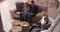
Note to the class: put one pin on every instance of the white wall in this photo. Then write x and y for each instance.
(12, 5)
(59, 0)
(5, 15)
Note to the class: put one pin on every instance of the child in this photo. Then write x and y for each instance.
(44, 20)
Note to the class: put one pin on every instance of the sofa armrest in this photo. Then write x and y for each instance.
(54, 24)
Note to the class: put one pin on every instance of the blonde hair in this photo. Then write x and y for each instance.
(44, 13)
(46, 16)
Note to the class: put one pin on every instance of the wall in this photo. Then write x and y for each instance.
(12, 5)
(5, 16)
(52, 8)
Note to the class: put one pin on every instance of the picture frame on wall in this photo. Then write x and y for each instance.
(1, 1)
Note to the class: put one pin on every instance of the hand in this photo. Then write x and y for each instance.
(22, 12)
(35, 24)
(31, 13)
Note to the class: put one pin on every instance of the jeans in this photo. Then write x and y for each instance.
(32, 27)
(22, 17)
(26, 17)
(29, 19)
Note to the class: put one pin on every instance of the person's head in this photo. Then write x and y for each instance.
(46, 19)
(32, 3)
(26, 4)
(44, 14)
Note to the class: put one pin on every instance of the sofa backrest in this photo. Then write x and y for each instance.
(19, 6)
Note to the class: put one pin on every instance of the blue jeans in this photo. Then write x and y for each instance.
(26, 17)
(21, 16)
(32, 27)
(29, 18)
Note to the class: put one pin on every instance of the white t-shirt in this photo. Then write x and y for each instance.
(42, 21)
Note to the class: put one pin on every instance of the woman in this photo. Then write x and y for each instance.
(26, 15)
(24, 11)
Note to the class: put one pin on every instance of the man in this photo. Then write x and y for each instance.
(33, 8)
(33, 11)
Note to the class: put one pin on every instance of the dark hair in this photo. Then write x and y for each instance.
(26, 3)
(32, 2)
